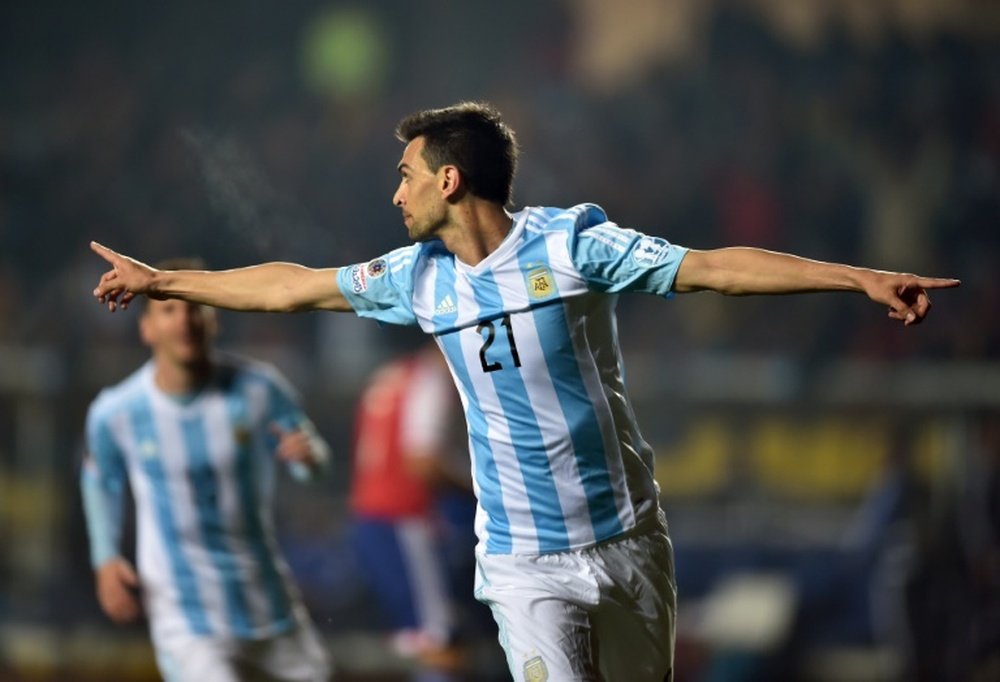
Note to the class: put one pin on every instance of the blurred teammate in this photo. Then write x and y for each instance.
(410, 497)
(196, 436)
(573, 556)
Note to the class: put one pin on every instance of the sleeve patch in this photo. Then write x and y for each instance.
(359, 280)
(650, 251)
(376, 268)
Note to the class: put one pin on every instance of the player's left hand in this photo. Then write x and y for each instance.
(905, 295)
(294, 445)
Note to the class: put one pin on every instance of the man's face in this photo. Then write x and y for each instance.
(419, 194)
(177, 331)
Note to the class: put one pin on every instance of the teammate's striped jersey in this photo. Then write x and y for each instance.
(201, 472)
(531, 340)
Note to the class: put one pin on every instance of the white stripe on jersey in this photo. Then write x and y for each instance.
(514, 489)
(552, 424)
(400, 258)
(584, 347)
(151, 550)
(206, 550)
(424, 301)
(193, 545)
(530, 337)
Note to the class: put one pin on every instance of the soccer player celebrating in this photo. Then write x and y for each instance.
(573, 557)
(196, 435)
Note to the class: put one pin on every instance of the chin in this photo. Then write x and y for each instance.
(194, 357)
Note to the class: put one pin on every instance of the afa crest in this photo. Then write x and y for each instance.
(148, 449)
(535, 670)
(541, 283)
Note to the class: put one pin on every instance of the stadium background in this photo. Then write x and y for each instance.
(831, 479)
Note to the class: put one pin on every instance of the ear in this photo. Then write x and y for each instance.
(451, 183)
(145, 331)
(212, 325)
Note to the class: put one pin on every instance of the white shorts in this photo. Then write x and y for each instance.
(606, 612)
(294, 656)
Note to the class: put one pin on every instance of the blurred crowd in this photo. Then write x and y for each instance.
(861, 132)
(242, 133)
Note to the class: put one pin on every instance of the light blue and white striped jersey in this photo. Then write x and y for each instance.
(531, 339)
(202, 476)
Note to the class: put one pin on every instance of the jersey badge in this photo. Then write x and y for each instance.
(650, 251)
(376, 268)
(446, 306)
(541, 283)
(359, 281)
(147, 449)
(535, 670)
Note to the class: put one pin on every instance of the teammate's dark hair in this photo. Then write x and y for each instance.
(472, 137)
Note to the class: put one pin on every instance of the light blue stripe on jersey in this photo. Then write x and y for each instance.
(578, 411)
(487, 476)
(103, 491)
(204, 487)
(498, 538)
(246, 487)
(525, 434)
(144, 431)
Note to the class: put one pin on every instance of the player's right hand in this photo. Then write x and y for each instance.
(117, 585)
(126, 278)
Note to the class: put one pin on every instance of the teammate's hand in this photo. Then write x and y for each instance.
(117, 584)
(294, 445)
(905, 294)
(126, 278)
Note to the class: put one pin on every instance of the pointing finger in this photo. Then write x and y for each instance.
(103, 251)
(937, 282)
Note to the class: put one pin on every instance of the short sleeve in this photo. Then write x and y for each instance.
(382, 288)
(102, 480)
(613, 259)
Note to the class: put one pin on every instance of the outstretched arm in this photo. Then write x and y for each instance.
(272, 287)
(739, 271)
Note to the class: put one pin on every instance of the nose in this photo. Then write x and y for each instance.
(397, 198)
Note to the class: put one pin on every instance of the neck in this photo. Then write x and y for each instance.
(476, 230)
(175, 378)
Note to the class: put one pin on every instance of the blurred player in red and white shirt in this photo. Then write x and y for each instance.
(411, 497)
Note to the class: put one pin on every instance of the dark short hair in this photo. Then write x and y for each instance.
(471, 136)
(177, 263)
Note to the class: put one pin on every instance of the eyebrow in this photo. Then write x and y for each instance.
(402, 166)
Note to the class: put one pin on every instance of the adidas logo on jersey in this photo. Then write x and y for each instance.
(445, 306)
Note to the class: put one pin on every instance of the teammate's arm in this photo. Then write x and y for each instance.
(270, 287)
(302, 448)
(102, 482)
(740, 271)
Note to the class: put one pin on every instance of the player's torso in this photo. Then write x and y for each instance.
(202, 456)
(201, 473)
(530, 347)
